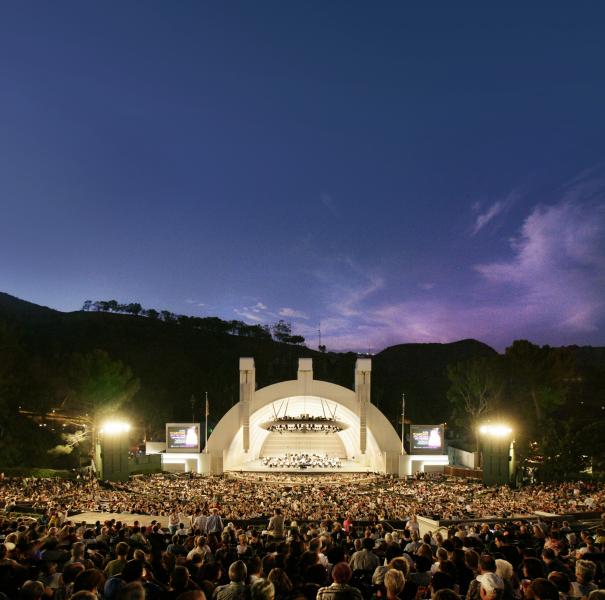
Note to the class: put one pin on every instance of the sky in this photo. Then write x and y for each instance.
(390, 172)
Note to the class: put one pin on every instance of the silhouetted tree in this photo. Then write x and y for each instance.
(475, 391)
(134, 308)
(98, 385)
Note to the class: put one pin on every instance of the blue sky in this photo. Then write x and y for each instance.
(401, 173)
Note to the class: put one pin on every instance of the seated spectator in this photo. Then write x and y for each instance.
(393, 583)
(236, 589)
(262, 589)
(542, 589)
(492, 586)
(90, 580)
(585, 573)
(281, 584)
(340, 588)
(180, 583)
(116, 566)
(364, 559)
(561, 582)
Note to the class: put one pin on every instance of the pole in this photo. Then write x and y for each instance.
(206, 427)
(403, 423)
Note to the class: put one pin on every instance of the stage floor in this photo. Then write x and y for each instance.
(127, 518)
(256, 466)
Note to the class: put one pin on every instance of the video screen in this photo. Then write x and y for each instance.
(426, 439)
(182, 437)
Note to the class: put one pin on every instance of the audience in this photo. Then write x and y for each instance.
(288, 537)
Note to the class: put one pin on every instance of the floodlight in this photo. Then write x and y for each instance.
(497, 430)
(115, 427)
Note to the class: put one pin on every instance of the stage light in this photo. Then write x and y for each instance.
(497, 430)
(115, 427)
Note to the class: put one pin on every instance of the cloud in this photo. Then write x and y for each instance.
(557, 271)
(493, 211)
(292, 313)
(549, 288)
(245, 313)
(328, 201)
(258, 312)
(547, 285)
(192, 301)
(351, 298)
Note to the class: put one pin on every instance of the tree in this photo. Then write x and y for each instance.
(538, 376)
(11, 360)
(167, 316)
(282, 332)
(475, 391)
(562, 448)
(98, 385)
(86, 306)
(152, 313)
(134, 308)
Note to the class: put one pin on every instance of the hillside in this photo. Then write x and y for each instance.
(173, 362)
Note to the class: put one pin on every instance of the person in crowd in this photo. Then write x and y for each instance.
(116, 566)
(276, 524)
(542, 589)
(492, 586)
(364, 559)
(340, 588)
(262, 589)
(487, 564)
(393, 583)
(31, 590)
(584, 583)
(281, 583)
(236, 589)
(214, 523)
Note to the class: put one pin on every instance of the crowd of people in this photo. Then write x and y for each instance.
(320, 538)
(303, 497)
(302, 460)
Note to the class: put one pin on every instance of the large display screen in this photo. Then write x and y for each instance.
(426, 439)
(182, 437)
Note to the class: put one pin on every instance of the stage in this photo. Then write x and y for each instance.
(257, 466)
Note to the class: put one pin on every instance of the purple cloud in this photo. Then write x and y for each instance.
(557, 271)
(292, 313)
(494, 210)
(553, 282)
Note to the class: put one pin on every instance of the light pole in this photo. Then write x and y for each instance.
(496, 453)
(113, 450)
(403, 423)
(206, 412)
